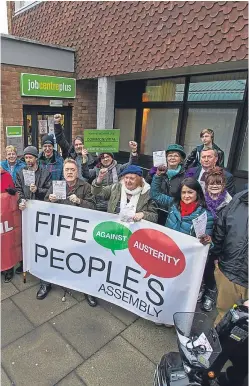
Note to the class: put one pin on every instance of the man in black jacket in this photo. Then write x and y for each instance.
(75, 151)
(230, 239)
(36, 190)
(208, 159)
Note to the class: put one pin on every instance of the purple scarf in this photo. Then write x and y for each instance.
(212, 205)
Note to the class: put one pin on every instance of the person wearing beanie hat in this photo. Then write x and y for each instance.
(107, 161)
(172, 176)
(50, 159)
(76, 150)
(36, 190)
(130, 197)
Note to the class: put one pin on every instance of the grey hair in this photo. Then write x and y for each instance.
(209, 148)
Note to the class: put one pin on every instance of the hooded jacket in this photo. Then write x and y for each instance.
(174, 220)
(193, 160)
(53, 166)
(17, 167)
(82, 190)
(230, 240)
(42, 181)
(112, 194)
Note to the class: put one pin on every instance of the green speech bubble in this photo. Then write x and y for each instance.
(112, 235)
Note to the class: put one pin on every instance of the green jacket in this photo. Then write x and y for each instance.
(112, 194)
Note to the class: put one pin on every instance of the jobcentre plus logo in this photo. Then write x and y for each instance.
(47, 86)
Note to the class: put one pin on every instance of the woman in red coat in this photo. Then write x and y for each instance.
(7, 186)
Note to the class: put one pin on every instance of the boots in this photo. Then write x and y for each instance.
(8, 275)
(43, 291)
(91, 300)
(19, 269)
(209, 300)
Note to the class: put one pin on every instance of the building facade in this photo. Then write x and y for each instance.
(159, 71)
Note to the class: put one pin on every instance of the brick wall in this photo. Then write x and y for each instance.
(120, 37)
(84, 105)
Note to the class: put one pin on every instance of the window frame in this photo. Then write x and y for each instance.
(25, 7)
(184, 105)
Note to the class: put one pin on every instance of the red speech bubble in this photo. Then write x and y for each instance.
(157, 253)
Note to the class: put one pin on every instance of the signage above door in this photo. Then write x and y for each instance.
(47, 86)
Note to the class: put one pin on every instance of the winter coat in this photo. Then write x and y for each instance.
(230, 239)
(174, 220)
(112, 194)
(42, 181)
(169, 186)
(17, 167)
(69, 150)
(230, 187)
(82, 190)
(6, 181)
(54, 166)
(91, 174)
(193, 160)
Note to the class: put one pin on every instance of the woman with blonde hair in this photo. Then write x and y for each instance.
(12, 164)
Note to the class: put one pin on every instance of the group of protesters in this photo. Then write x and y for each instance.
(172, 195)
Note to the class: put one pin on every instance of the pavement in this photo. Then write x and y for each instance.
(49, 342)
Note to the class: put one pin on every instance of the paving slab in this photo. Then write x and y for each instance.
(5, 381)
(125, 316)
(40, 358)
(77, 295)
(30, 281)
(13, 323)
(7, 289)
(153, 341)
(87, 328)
(71, 380)
(117, 364)
(40, 311)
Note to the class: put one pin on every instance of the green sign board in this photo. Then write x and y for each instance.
(47, 86)
(13, 131)
(101, 141)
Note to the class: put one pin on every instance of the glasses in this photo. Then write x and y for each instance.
(173, 156)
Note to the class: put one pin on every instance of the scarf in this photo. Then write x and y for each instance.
(135, 194)
(173, 172)
(187, 209)
(214, 204)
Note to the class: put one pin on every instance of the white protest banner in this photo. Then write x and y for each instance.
(60, 190)
(143, 267)
(159, 158)
(29, 177)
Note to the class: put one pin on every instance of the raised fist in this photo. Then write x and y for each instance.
(102, 173)
(57, 118)
(161, 170)
(133, 146)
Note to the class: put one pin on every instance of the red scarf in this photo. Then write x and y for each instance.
(187, 209)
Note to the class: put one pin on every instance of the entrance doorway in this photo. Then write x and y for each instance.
(34, 130)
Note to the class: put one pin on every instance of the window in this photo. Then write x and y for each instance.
(221, 121)
(125, 120)
(158, 129)
(217, 87)
(243, 163)
(23, 5)
(164, 90)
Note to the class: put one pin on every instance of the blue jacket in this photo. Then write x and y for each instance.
(18, 166)
(174, 220)
(55, 166)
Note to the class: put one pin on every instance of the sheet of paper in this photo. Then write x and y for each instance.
(159, 158)
(127, 213)
(51, 124)
(43, 126)
(59, 189)
(200, 224)
(29, 177)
